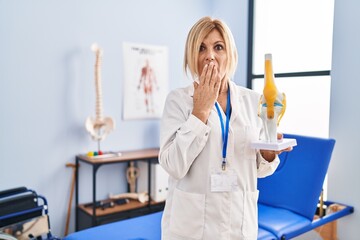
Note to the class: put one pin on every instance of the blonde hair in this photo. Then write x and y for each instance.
(196, 36)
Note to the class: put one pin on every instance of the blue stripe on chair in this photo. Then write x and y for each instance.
(281, 222)
(265, 235)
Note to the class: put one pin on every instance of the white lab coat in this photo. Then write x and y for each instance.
(190, 151)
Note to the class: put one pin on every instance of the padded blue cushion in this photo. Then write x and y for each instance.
(265, 235)
(281, 222)
(140, 228)
(297, 183)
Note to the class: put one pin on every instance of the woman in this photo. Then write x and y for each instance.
(206, 132)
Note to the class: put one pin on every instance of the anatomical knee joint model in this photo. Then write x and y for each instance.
(272, 103)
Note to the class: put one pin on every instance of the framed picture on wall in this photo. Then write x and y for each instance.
(146, 80)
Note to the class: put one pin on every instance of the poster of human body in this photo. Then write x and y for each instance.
(146, 80)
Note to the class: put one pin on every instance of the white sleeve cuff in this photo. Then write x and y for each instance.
(197, 126)
(266, 168)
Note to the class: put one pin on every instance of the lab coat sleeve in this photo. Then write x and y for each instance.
(182, 136)
(266, 168)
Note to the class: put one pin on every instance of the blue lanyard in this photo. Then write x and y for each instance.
(224, 130)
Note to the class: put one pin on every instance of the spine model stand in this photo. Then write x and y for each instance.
(98, 127)
(272, 103)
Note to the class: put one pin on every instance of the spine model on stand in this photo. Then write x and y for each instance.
(100, 126)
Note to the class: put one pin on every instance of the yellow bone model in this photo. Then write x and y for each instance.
(272, 102)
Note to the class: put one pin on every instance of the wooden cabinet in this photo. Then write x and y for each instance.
(88, 215)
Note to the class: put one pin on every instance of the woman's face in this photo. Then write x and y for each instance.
(213, 49)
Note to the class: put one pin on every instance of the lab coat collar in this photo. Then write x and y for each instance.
(234, 98)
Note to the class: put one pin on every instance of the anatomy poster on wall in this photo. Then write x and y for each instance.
(146, 80)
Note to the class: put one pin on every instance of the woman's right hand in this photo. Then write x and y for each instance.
(206, 92)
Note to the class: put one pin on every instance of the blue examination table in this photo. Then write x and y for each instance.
(140, 228)
(287, 203)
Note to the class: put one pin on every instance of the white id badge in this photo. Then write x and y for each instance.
(225, 181)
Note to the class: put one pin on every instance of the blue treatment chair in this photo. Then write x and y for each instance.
(288, 199)
(139, 228)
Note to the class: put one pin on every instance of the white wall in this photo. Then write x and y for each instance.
(344, 169)
(47, 85)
